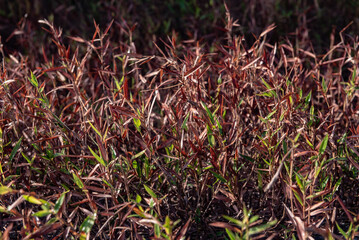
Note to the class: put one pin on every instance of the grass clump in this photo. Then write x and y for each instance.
(100, 140)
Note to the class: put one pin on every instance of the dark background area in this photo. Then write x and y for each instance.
(307, 21)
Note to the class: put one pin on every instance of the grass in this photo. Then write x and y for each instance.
(102, 141)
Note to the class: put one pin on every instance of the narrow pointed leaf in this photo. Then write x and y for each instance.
(210, 115)
(14, 150)
(4, 190)
(95, 129)
(184, 124)
(33, 80)
(42, 213)
(219, 177)
(77, 180)
(59, 202)
(139, 154)
(235, 221)
(32, 199)
(87, 224)
(261, 228)
(231, 234)
(137, 123)
(98, 158)
(323, 145)
(151, 192)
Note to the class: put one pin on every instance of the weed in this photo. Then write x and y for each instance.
(101, 139)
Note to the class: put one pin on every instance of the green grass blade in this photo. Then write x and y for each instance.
(42, 213)
(219, 177)
(231, 234)
(95, 129)
(139, 154)
(150, 191)
(77, 180)
(184, 124)
(5, 190)
(235, 221)
(86, 226)
(271, 92)
(261, 228)
(15, 149)
(211, 139)
(98, 158)
(323, 145)
(59, 202)
(342, 231)
(33, 80)
(324, 85)
(137, 123)
(308, 98)
(210, 115)
(32, 199)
